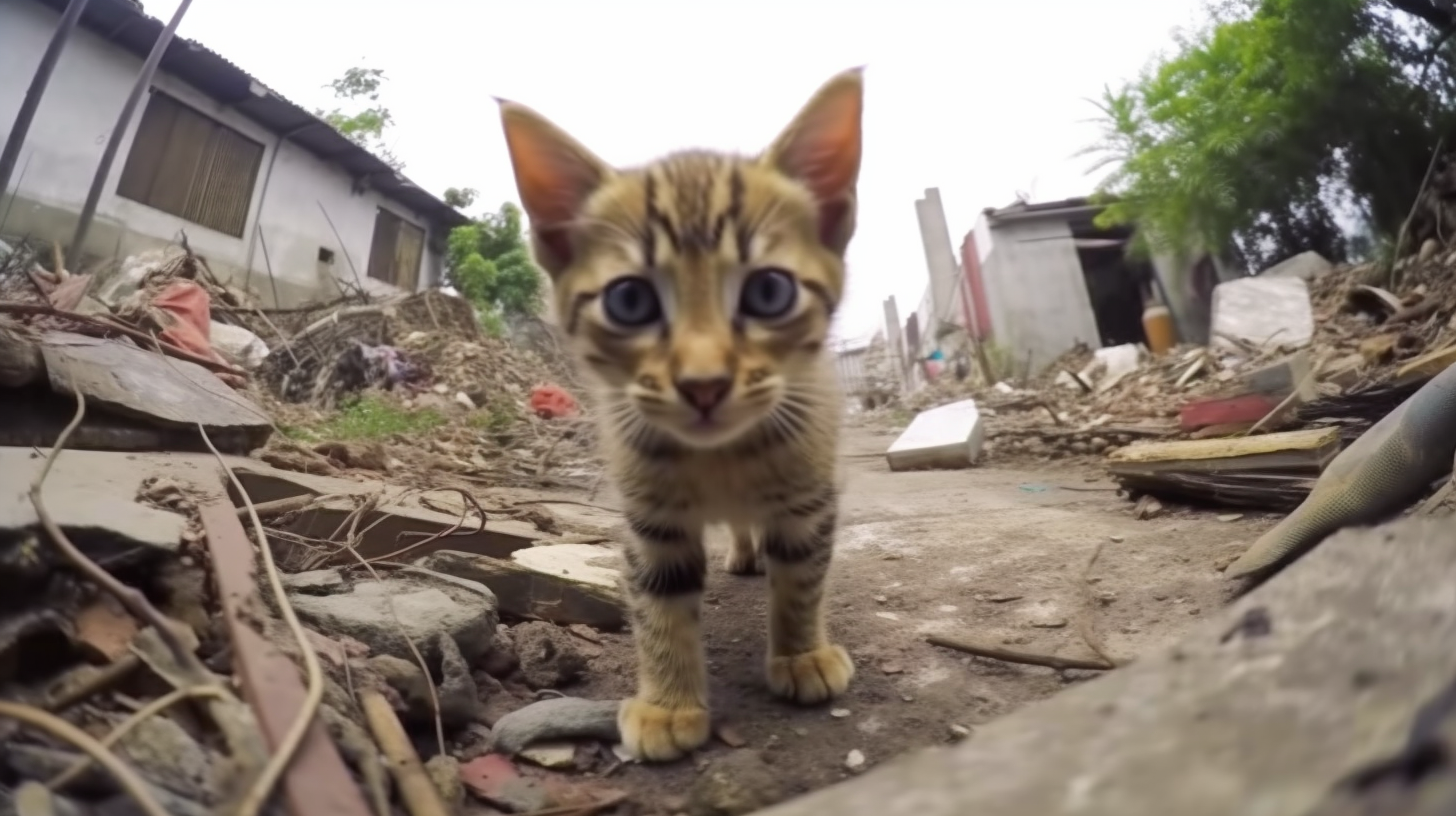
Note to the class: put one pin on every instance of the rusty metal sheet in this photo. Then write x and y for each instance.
(317, 783)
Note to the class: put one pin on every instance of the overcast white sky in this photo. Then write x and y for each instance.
(979, 98)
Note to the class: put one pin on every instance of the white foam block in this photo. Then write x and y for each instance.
(946, 437)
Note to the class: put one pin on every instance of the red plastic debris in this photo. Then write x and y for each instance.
(190, 308)
(552, 402)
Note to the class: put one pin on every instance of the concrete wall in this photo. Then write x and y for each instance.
(939, 260)
(70, 130)
(1036, 291)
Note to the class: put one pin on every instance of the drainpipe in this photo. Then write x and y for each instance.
(38, 83)
(144, 81)
(263, 195)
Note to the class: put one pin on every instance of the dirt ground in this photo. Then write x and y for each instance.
(992, 554)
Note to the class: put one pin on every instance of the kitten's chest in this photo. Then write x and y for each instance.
(716, 487)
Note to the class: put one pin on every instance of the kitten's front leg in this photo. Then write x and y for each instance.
(743, 558)
(666, 566)
(802, 664)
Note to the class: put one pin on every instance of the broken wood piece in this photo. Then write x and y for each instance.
(318, 781)
(281, 507)
(1427, 366)
(1013, 656)
(421, 797)
(562, 583)
(1306, 451)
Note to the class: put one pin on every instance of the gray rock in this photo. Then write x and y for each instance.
(166, 753)
(409, 605)
(405, 677)
(556, 719)
(459, 698)
(444, 771)
(314, 582)
(735, 784)
(549, 655)
(502, 660)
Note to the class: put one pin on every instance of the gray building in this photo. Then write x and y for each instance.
(247, 174)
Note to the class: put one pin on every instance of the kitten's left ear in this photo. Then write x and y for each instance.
(555, 176)
(821, 149)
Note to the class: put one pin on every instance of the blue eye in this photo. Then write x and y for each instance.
(631, 302)
(768, 293)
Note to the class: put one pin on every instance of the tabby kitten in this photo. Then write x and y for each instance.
(699, 291)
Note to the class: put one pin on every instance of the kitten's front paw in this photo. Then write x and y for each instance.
(656, 734)
(739, 562)
(811, 677)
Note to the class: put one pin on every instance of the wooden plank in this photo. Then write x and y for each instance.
(318, 782)
(1427, 366)
(1313, 440)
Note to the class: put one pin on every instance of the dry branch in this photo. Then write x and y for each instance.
(1013, 656)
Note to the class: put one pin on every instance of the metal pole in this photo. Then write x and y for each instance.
(144, 81)
(11, 154)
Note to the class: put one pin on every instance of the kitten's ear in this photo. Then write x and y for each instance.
(554, 175)
(821, 149)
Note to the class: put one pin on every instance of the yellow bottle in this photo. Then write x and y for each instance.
(1158, 327)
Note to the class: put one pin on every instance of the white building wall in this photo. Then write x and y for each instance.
(1037, 291)
(70, 130)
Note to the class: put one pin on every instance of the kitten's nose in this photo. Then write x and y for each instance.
(705, 393)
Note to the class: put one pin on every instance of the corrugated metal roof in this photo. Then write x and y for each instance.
(124, 23)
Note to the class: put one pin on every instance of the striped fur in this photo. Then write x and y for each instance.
(695, 225)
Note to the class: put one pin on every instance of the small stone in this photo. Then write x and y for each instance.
(907, 698)
(548, 654)
(959, 732)
(444, 771)
(1004, 597)
(1117, 539)
(1050, 623)
(892, 668)
(855, 761)
(730, 736)
(839, 713)
(1227, 517)
(464, 400)
(947, 608)
(622, 754)
(887, 616)
(551, 754)
(881, 599)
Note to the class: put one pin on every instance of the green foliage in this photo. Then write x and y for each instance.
(365, 126)
(372, 417)
(1262, 125)
(488, 261)
(460, 197)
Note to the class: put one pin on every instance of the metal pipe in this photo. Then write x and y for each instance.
(144, 81)
(11, 154)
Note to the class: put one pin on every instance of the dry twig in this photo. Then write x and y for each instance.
(103, 756)
(1013, 656)
(415, 786)
(1089, 605)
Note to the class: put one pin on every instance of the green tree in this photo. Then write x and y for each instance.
(1275, 116)
(365, 126)
(460, 197)
(489, 262)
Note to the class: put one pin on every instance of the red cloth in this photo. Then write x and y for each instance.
(551, 402)
(190, 308)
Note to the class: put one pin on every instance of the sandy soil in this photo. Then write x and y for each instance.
(992, 554)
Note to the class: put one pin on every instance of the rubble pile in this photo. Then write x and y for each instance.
(1368, 349)
(386, 571)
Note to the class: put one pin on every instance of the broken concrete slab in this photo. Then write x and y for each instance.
(410, 604)
(1264, 708)
(92, 497)
(1305, 266)
(949, 436)
(1262, 311)
(133, 382)
(499, 538)
(561, 583)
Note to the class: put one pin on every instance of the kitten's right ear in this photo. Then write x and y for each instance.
(554, 175)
